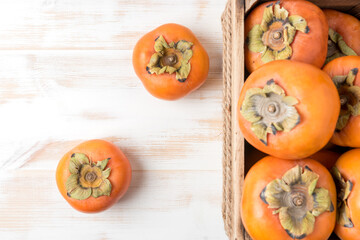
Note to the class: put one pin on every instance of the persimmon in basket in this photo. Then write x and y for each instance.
(170, 61)
(347, 178)
(326, 157)
(288, 29)
(288, 109)
(344, 72)
(93, 176)
(288, 199)
(344, 35)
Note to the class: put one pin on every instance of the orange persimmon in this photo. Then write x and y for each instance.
(326, 157)
(344, 34)
(170, 61)
(288, 109)
(288, 199)
(288, 29)
(347, 177)
(93, 176)
(344, 71)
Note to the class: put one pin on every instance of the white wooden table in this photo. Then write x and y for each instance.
(66, 76)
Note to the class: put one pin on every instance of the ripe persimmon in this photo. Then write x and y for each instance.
(326, 157)
(170, 61)
(347, 178)
(288, 109)
(344, 71)
(288, 29)
(288, 199)
(93, 176)
(344, 34)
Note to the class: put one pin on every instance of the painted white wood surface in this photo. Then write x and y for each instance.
(65, 77)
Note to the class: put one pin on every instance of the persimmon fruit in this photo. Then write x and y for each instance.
(288, 199)
(326, 157)
(347, 178)
(288, 29)
(288, 109)
(170, 61)
(344, 71)
(93, 176)
(344, 34)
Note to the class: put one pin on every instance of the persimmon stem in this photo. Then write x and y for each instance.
(343, 100)
(277, 35)
(170, 60)
(272, 108)
(297, 199)
(90, 176)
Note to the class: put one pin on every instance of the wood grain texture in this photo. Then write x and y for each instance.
(66, 76)
(159, 205)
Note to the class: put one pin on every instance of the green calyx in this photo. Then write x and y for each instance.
(269, 110)
(337, 47)
(297, 200)
(87, 178)
(171, 58)
(272, 38)
(343, 189)
(349, 97)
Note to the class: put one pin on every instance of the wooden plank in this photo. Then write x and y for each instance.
(336, 4)
(237, 138)
(69, 96)
(159, 204)
(355, 11)
(66, 76)
(108, 24)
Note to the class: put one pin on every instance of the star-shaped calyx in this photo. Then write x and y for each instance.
(297, 200)
(272, 38)
(269, 110)
(349, 97)
(87, 178)
(343, 189)
(171, 58)
(337, 47)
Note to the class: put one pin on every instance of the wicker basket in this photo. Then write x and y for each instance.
(234, 156)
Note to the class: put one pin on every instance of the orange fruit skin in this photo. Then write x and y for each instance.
(349, 135)
(258, 219)
(326, 158)
(349, 167)
(165, 86)
(318, 107)
(308, 47)
(347, 26)
(120, 176)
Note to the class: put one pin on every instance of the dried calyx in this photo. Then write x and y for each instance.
(269, 110)
(297, 200)
(171, 58)
(272, 38)
(349, 97)
(337, 47)
(87, 178)
(343, 189)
